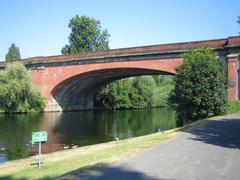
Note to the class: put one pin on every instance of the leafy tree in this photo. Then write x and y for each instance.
(163, 90)
(116, 95)
(86, 35)
(16, 93)
(13, 53)
(200, 86)
(142, 91)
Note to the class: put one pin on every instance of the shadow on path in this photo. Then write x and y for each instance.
(225, 133)
(103, 171)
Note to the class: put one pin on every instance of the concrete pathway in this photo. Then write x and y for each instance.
(209, 152)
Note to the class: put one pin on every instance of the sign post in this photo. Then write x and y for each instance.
(39, 155)
(38, 138)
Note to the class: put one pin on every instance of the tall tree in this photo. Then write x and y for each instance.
(86, 35)
(13, 53)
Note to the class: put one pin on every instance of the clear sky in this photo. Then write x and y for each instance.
(40, 27)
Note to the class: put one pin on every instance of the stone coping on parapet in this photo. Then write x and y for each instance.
(216, 44)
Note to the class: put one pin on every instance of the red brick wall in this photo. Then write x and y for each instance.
(233, 67)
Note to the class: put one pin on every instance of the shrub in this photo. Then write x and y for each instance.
(200, 86)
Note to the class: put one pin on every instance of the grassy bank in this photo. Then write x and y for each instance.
(59, 163)
(233, 107)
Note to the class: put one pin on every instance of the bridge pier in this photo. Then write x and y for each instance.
(233, 76)
(53, 105)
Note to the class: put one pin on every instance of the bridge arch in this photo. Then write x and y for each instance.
(77, 91)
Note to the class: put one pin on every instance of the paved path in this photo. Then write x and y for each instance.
(210, 152)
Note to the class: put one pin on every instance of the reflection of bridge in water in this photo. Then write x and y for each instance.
(70, 82)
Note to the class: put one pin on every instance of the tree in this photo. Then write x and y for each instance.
(200, 86)
(163, 90)
(238, 21)
(16, 93)
(115, 95)
(86, 35)
(142, 91)
(13, 53)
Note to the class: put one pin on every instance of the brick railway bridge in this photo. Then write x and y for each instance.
(70, 82)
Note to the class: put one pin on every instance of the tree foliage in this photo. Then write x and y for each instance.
(115, 95)
(142, 91)
(16, 93)
(238, 21)
(13, 53)
(200, 86)
(163, 90)
(137, 92)
(86, 36)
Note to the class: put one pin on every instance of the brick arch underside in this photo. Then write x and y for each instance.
(77, 92)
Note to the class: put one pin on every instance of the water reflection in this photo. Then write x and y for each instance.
(15, 133)
(78, 128)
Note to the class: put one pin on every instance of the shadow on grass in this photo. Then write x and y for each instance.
(224, 133)
(103, 171)
(13, 178)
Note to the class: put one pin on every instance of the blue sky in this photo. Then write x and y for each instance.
(40, 28)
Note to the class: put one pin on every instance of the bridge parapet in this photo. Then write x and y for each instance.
(227, 46)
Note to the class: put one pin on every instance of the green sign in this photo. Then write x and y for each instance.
(39, 136)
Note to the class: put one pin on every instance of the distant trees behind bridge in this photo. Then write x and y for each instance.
(238, 21)
(13, 53)
(137, 92)
(86, 36)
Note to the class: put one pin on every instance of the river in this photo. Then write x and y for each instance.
(75, 129)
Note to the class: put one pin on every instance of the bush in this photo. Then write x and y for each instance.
(200, 86)
(16, 93)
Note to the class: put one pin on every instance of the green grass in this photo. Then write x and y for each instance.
(60, 163)
(233, 107)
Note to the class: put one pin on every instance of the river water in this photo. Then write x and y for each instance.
(75, 129)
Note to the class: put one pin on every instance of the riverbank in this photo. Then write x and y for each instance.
(62, 162)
